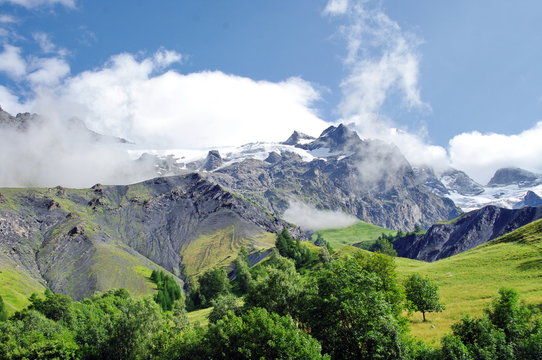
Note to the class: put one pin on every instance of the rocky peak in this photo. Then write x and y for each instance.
(530, 199)
(336, 138)
(460, 182)
(297, 138)
(213, 161)
(514, 176)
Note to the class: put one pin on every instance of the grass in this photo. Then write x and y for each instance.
(360, 232)
(470, 280)
(200, 316)
(220, 248)
(16, 286)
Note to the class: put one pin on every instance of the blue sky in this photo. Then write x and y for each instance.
(470, 66)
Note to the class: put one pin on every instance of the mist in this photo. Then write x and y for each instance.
(310, 218)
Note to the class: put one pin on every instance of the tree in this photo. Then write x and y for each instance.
(222, 305)
(351, 313)
(212, 283)
(384, 246)
(292, 248)
(168, 290)
(3, 310)
(258, 334)
(278, 289)
(57, 307)
(243, 277)
(422, 295)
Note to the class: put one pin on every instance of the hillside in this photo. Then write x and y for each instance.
(360, 232)
(469, 280)
(77, 241)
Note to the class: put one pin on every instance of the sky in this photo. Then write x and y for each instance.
(451, 83)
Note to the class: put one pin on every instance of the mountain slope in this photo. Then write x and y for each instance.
(80, 241)
(469, 231)
(468, 281)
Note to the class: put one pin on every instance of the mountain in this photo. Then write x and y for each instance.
(506, 189)
(80, 241)
(366, 178)
(514, 176)
(530, 199)
(468, 231)
(23, 122)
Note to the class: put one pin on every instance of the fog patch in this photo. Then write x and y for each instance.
(309, 217)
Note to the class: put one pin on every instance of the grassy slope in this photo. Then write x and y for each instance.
(468, 281)
(357, 233)
(220, 248)
(16, 286)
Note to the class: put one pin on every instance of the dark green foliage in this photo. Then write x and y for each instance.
(168, 290)
(508, 330)
(351, 315)
(279, 289)
(384, 246)
(243, 277)
(57, 307)
(259, 334)
(212, 283)
(320, 241)
(422, 295)
(33, 336)
(292, 248)
(3, 310)
(222, 304)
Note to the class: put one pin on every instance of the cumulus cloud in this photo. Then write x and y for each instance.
(48, 71)
(128, 98)
(11, 62)
(29, 4)
(7, 19)
(310, 218)
(481, 154)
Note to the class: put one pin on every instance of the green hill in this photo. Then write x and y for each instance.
(360, 232)
(469, 280)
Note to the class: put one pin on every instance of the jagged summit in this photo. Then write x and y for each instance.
(335, 138)
(514, 176)
(297, 138)
(213, 161)
(530, 199)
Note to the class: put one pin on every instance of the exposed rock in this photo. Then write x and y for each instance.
(530, 199)
(425, 176)
(471, 230)
(297, 138)
(514, 176)
(213, 161)
(461, 183)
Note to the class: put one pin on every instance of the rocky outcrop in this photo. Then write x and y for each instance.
(514, 176)
(459, 182)
(530, 199)
(471, 230)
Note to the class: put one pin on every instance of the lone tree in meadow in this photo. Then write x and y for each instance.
(422, 295)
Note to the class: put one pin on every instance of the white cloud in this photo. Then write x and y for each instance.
(311, 218)
(126, 98)
(48, 71)
(481, 154)
(164, 58)
(37, 3)
(7, 19)
(382, 60)
(11, 62)
(336, 7)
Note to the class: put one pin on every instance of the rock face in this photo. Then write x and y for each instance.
(514, 176)
(530, 199)
(459, 182)
(471, 230)
(366, 178)
(81, 241)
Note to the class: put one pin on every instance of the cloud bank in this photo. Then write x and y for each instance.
(310, 218)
